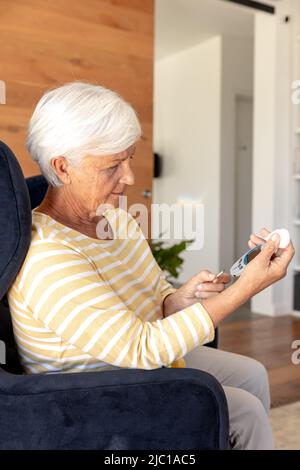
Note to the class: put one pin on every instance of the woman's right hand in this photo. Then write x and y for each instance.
(265, 268)
(261, 272)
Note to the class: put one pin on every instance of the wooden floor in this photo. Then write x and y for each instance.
(269, 341)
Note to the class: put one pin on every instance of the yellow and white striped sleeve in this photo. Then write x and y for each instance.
(165, 288)
(66, 293)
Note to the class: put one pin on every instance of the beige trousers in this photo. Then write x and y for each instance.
(246, 386)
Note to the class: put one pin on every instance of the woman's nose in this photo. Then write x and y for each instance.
(127, 174)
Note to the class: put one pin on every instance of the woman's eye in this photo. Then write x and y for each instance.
(112, 169)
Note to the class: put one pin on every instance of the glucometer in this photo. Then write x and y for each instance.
(237, 268)
(240, 264)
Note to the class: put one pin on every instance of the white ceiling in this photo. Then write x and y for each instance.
(180, 24)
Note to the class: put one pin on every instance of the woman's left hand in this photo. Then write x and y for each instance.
(201, 286)
(204, 285)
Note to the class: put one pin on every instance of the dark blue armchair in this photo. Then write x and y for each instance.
(128, 409)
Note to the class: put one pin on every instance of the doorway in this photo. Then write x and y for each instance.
(243, 173)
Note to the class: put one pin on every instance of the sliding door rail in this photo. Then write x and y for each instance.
(256, 5)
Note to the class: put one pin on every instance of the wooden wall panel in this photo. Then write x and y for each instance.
(46, 43)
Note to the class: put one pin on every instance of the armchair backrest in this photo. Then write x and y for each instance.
(15, 218)
(17, 197)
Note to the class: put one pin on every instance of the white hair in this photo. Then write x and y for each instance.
(79, 119)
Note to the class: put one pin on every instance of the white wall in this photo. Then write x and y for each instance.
(283, 291)
(264, 137)
(272, 139)
(237, 79)
(187, 110)
(194, 131)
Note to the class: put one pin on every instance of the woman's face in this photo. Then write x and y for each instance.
(100, 180)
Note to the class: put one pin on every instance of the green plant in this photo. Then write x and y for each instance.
(168, 258)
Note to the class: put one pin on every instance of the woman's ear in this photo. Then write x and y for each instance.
(61, 167)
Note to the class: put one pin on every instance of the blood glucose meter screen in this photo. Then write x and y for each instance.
(253, 253)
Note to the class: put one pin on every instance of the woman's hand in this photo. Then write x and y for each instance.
(266, 268)
(261, 272)
(255, 240)
(203, 285)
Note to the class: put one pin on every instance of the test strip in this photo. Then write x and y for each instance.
(220, 273)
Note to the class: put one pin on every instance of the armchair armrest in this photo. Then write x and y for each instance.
(121, 409)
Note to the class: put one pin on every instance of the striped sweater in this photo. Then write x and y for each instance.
(83, 304)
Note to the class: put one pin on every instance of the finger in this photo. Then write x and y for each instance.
(210, 287)
(269, 249)
(264, 232)
(205, 276)
(256, 239)
(223, 278)
(251, 244)
(287, 253)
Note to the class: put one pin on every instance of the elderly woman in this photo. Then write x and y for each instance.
(84, 302)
